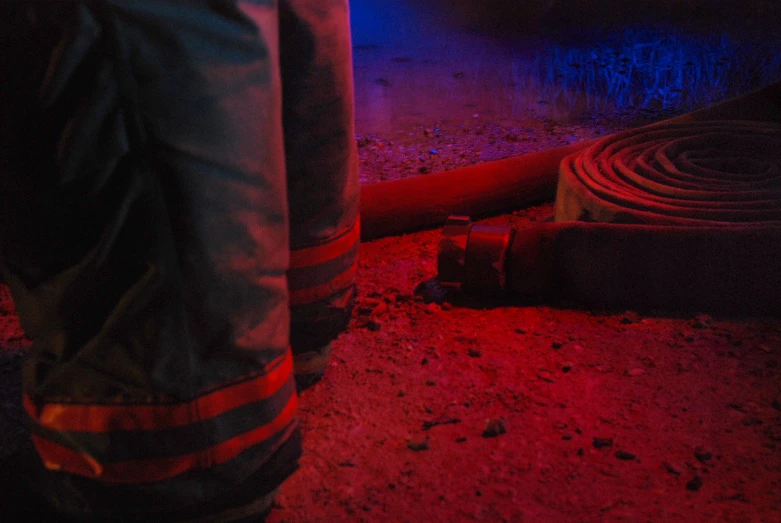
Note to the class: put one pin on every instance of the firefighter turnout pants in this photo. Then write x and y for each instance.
(179, 180)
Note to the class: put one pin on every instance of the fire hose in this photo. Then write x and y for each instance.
(676, 216)
(680, 215)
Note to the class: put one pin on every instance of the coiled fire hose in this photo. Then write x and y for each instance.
(673, 216)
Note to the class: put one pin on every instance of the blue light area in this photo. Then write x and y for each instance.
(660, 69)
(438, 60)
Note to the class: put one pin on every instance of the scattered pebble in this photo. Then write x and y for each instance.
(671, 469)
(495, 427)
(380, 309)
(694, 484)
(625, 456)
(702, 454)
(701, 321)
(367, 306)
(474, 353)
(601, 443)
(417, 443)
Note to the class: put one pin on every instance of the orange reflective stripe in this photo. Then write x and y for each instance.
(324, 291)
(58, 457)
(318, 254)
(105, 418)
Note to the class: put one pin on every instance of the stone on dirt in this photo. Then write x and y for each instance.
(495, 427)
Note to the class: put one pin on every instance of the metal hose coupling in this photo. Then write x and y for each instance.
(474, 257)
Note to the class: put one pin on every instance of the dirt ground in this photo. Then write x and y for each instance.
(515, 412)
(510, 412)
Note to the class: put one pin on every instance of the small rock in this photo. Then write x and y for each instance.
(431, 383)
(629, 318)
(367, 306)
(702, 454)
(474, 353)
(625, 456)
(374, 325)
(601, 443)
(401, 394)
(417, 443)
(701, 321)
(694, 484)
(460, 439)
(495, 427)
(446, 306)
(380, 309)
(556, 345)
(424, 361)
(671, 469)
(750, 422)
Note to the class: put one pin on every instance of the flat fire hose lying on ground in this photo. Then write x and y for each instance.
(690, 213)
(674, 216)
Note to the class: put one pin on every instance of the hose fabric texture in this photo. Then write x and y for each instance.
(673, 216)
(150, 262)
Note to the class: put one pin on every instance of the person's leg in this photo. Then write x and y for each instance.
(322, 172)
(160, 380)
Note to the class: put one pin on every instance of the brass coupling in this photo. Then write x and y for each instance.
(474, 256)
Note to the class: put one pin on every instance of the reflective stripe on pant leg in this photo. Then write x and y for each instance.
(322, 167)
(161, 359)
